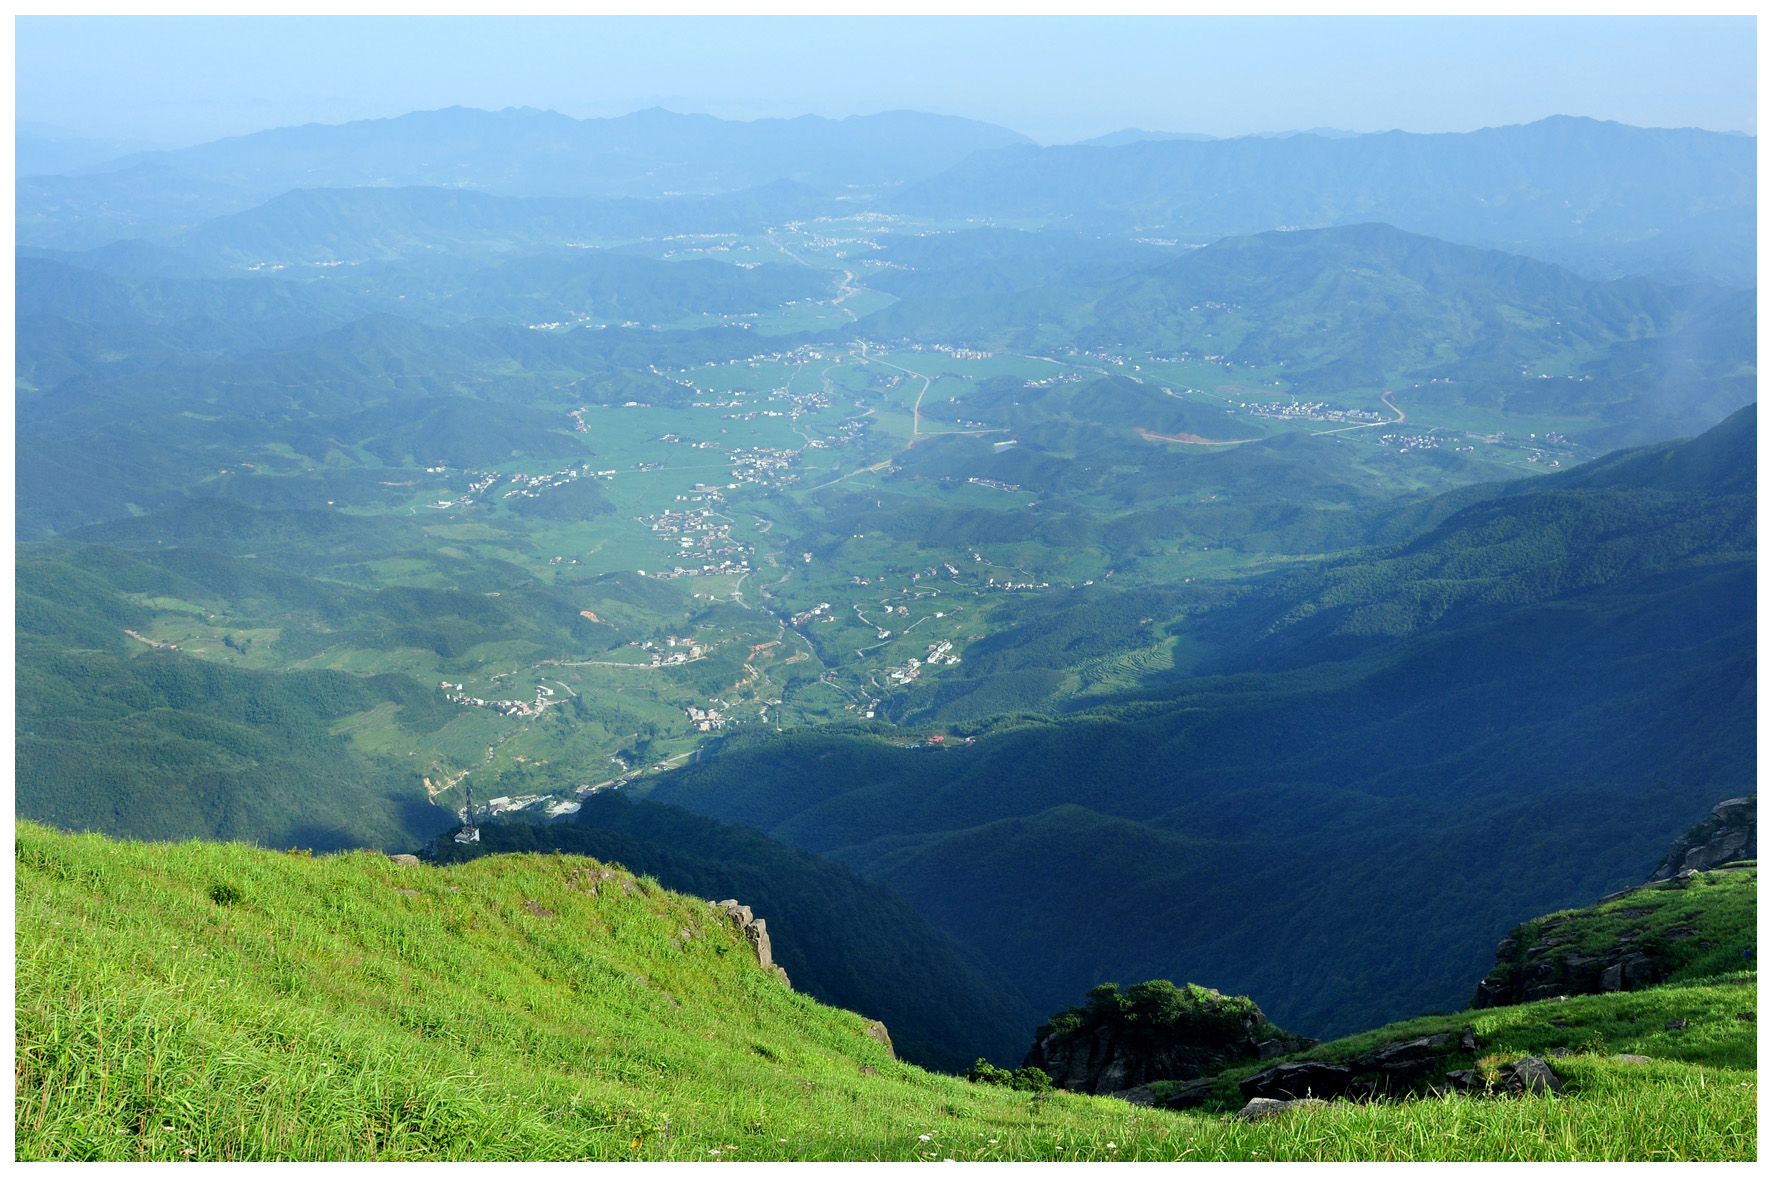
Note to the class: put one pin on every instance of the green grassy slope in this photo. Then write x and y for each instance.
(217, 1002)
(844, 939)
(1681, 928)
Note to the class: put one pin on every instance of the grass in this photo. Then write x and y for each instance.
(1690, 927)
(220, 1002)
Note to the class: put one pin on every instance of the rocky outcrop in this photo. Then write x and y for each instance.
(756, 931)
(1395, 1071)
(1387, 1071)
(1548, 970)
(1527, 1076)
(877, 1031)
(1155, 1031)
(1730, 835)
(1630, 939)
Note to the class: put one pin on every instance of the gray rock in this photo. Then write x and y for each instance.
(1261, 1109)
(1189, 1095)
(757, 932)
(1274, 1048)
(1730, 834)
(1298, 1080)
(877, 1031)
(1466, 1080)
(1676, 1024)
(1412, 1050)
(1633, 1059)
(403, 859)
(1140, 1096)
(1532, 1075)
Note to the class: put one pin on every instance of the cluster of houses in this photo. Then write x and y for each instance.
(457, 693)
(1308, 411)
(909, 672)
(676, 651)
(705, 720)
(959, 353)
(702, 533)
(764, 466)
(942, 652)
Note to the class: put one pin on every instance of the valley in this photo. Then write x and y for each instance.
(1009, 600)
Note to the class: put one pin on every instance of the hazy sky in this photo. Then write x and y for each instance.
(175, 81)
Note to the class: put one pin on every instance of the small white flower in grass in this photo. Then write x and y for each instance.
(713, 1152)
(925, 1136)
(993, 1141)
(1110, 1144)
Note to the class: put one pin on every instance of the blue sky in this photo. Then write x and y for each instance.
(175, 81)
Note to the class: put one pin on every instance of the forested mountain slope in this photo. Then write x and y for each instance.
(1206, 828)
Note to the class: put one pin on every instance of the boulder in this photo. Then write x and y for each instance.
(1730, 834)
(403, 859)
(1676, 1024)
(1465, 1080)
(1189, 1095)
(1298, 1080)
(1260, 1109)
(1140, 1096)
(756, 931)
(1412, 1050)
(877, 1031)
(1530, 1075)
(1275, 1047)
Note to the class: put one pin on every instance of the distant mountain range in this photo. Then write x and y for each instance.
(1135, 135)
(1603, 197)
(515, 152)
